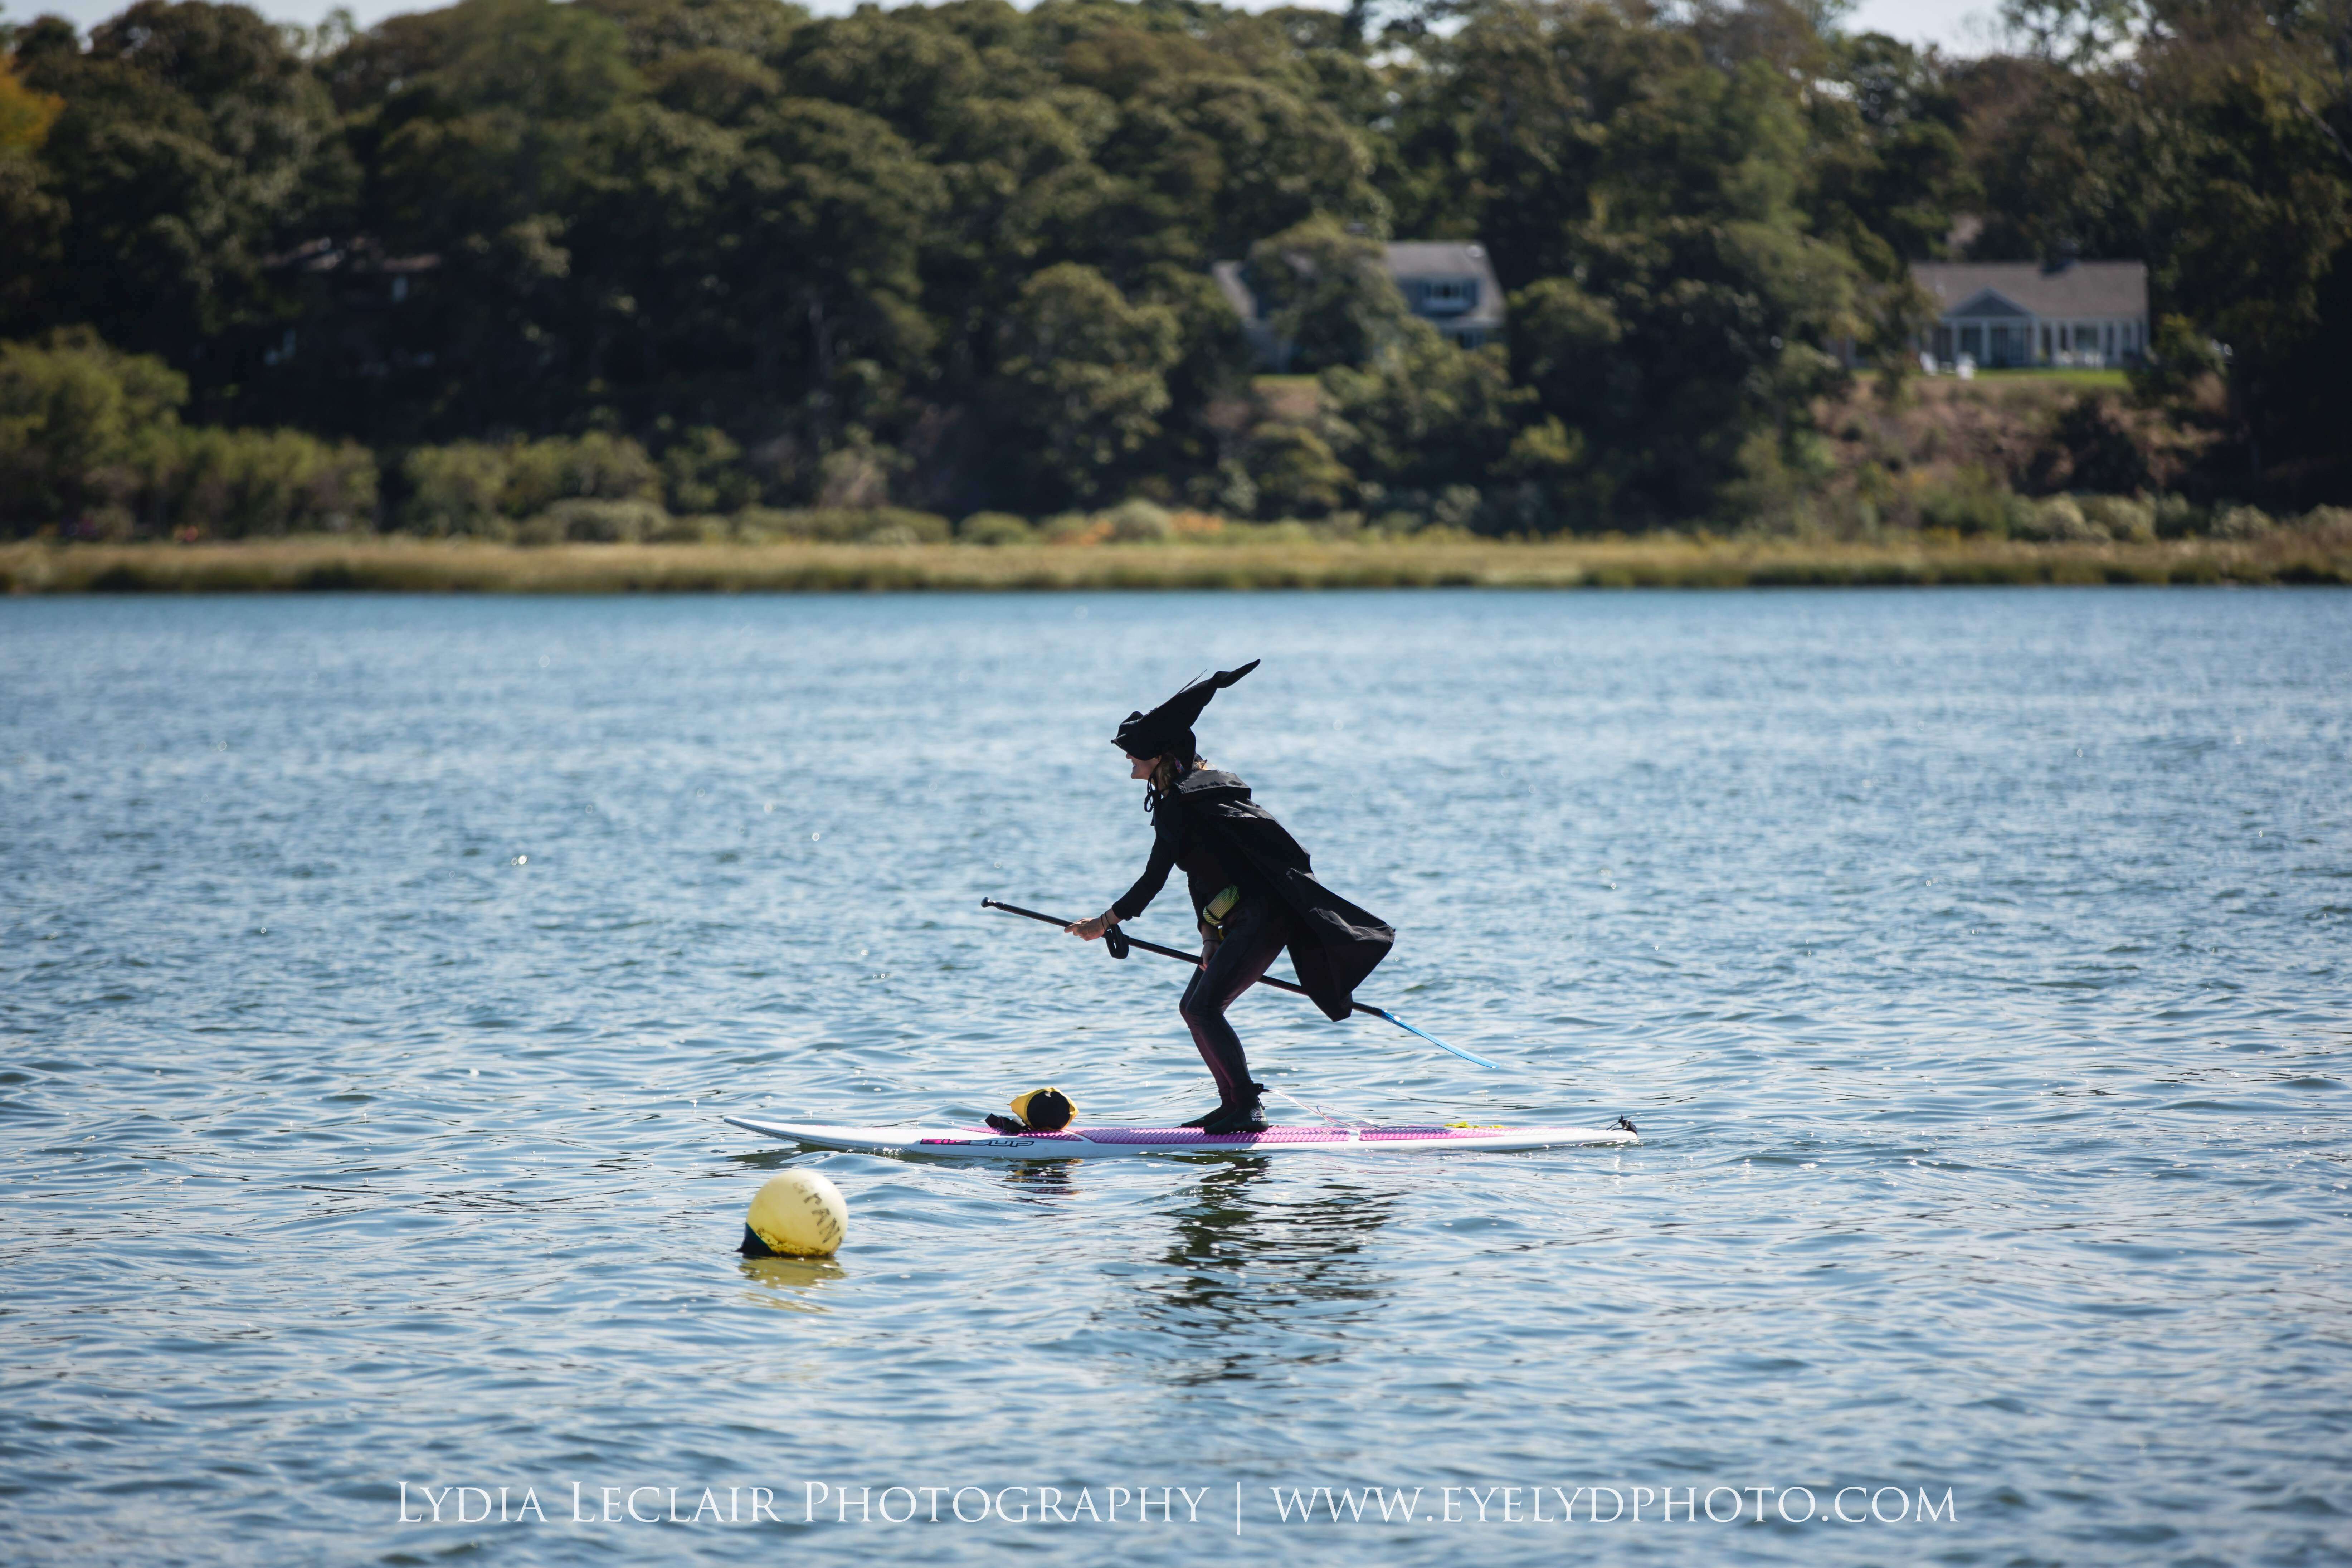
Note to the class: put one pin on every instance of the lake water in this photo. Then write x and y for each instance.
(374, 972)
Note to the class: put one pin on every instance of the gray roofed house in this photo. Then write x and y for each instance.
(1449, 283)
(2015, 314)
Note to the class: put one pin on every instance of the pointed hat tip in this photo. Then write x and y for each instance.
(1170, 725)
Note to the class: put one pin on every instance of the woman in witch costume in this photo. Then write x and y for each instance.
(1254, 894)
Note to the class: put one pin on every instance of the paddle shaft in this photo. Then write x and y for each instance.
(1195, 960)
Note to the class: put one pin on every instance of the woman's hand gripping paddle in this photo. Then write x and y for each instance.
(1120, 942)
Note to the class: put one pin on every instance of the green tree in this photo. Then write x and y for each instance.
(194, 144)
(26, 116)
(1326, 294)
(2257, 217)
(1888, 170)
(1084, 376)
(1295, 471)
(30, 216)
(483, 149)
(752, 31)
(2214, 147)
(79, 427)
(831, 210)
(1425, 413)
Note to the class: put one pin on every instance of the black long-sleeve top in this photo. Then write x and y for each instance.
(1210, 826)
(1176, 841)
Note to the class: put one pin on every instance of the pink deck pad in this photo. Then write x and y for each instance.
(1375, 1134)
(1084, 1135)
(1223, 1139)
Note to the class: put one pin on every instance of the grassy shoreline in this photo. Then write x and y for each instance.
(392, 565)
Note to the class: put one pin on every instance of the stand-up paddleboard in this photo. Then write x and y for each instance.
(1096, 1142)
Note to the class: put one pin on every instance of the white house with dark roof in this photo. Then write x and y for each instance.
(2020, 313)
(1450, 284)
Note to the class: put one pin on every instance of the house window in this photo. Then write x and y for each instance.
(1445, 296)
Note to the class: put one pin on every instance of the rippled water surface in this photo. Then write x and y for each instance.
(374, 973)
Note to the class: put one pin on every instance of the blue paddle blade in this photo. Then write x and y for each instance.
(1433, 1040)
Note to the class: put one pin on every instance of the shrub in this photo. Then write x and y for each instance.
(2059, 517)
(995, 528)
(2097, 443)
(595, 467)
(2331, 522)
(704, 529)
(2177, 517)
(702, 471)
(586, 520)
(235, 484)
(1074, 528)
(856, 478)
(1975, 503)
(899, 525)
(91, 438)
(455, 489)
(2243, 523)
(1138, 523)
(2122, 516)
(843, 525)
(1458, 507)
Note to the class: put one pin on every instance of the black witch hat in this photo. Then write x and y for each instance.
(1169, 727)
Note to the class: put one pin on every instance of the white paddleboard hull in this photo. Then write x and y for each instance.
(1100, 1142)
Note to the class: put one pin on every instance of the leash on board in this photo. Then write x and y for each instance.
(1120, 942)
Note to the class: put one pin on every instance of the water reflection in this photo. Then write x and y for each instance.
(1043, 1178)
(790, 1284)
(1252, 1279)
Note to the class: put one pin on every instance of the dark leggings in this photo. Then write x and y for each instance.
(1254, 937)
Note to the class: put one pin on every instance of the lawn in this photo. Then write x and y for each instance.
(2117, 379)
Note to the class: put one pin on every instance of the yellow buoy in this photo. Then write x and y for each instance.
(798, 1214)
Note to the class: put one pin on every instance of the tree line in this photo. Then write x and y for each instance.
(955, 258)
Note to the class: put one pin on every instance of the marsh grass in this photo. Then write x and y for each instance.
(389, 564)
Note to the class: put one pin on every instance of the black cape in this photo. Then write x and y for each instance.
(1333, 944)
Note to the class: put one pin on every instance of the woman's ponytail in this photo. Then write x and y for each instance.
(1166, 775)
